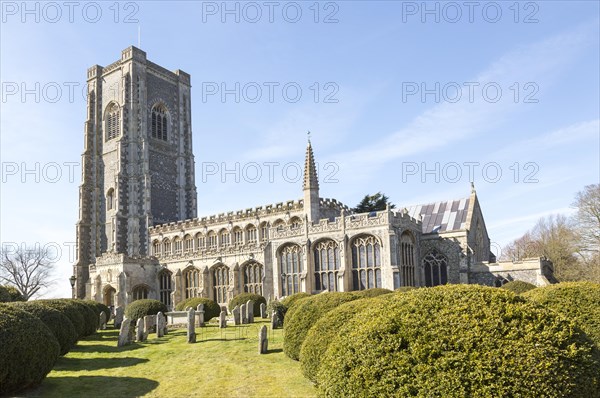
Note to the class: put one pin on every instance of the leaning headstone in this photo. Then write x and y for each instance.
(141, 331)
(102, 321)
(188, 308)
(191, 325)
(160, 325)
(263, 310)
(236, 315)
(274, 320)
(200, 310)
(263, 342)
(243, 314)
(124, 336)
(223, 319)
(149, 324)
(119, 312)
(250, 311)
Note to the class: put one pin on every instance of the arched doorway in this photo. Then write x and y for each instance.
(108, 295)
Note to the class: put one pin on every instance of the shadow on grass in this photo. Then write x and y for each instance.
(275, 351)
(105, 348)
(92, 386)
(77, 364)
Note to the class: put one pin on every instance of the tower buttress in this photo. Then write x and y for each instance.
(311, 186)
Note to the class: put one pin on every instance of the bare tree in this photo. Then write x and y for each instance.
(587, 219)
(28, 269)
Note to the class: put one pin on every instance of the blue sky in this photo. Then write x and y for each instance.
(412, 96)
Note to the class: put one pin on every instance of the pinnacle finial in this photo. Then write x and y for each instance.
(308, 135)
(472, 187)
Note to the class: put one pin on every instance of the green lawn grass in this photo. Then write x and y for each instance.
(222, 363)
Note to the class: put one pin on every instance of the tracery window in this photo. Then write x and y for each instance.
(238, 237)
(290, 264)
(113, 121)
(253, 275)
(212, 240)
(166, 247)
(178, 245)
(327, 264)
(366, 263)
(264, 232)
(192, 283)
(110, 199)
(156, 248)
(159, 122)
(251, 234)
(436, 269)
(200, 241)
(221, 283)
(165, 285)
(407, 260)
(224, 238)
(188, 244)
(140, 292)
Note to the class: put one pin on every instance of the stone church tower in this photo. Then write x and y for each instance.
(137, 162)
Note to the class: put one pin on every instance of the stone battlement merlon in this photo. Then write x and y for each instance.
(232, 216)
(333, 203)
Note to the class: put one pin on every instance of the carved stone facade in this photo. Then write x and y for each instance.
(138, 235)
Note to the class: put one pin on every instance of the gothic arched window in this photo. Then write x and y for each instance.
(221, 283)
(112, 122)
(436, 269)
(253, 275)
(224, 238)
(407, 260)
(366, 262)
(200, 241)
(290, 264)
(166, 247)
(251, 233)
(156, 248)
(140, 292)
(110, 199)
(192, 283)
(188, 244)
(327, 264)
(238, 236)
(264, 232)
(165, 284)
(159, 122)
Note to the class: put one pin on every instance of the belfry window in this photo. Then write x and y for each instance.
(110, 199)
(159, 122)
(113, 122)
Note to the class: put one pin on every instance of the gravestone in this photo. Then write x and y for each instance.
(124, 333)
(200, 310)
(243, 314)
(191, 326)
(236, 315)
(250, 311)
(102, 321)
(188, 308)
(263, 310)
(263, 342)
(119, 312)
(149, 324)
(223, 319)
(141, 331)
(274, 320)
(161, 324)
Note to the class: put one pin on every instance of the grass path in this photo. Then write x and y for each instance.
(223, 363)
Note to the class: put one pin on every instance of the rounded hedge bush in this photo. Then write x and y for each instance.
(326, 329)
(302, 316)
(140, 308)
(4, 295)
(279, 309)
(58, 323)
(97, 308)
(28, 349)
(243, 299)
(89, 316)
(289, 301)
(518, 287)
(578, 301)
(373, 292)
(458, 341)
(10, 293)
(405, 289)
(71, 311)
(211, 308)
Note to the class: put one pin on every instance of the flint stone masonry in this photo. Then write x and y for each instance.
(141, 332)
(102, 321)
(263, 342)
(124, 333)
(263, 310)
(223, 320)
(191, 326)
(236, 315)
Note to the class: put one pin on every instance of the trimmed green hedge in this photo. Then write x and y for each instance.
(243, 299)
(578, 301)
(289, 301)
(405, 289)
(9, 294)
(460, 341)
(58, 323)
(518, 287)
(326, 329)
(211, 308)
(373, 292)
(72, 311)
(28, 350)
(97, 308)
(280, 310)
(140, 308)
(302, 316)
(89, 316)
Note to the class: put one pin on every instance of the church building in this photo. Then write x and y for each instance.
(139, 236)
